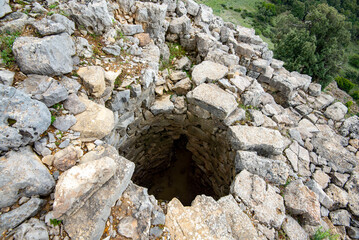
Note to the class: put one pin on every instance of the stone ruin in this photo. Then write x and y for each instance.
(277, 155)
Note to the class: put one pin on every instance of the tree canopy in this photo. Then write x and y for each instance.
(314, 44)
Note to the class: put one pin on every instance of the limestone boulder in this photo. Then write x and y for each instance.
(275, 171)
(350, 127)
(77, 184)
(4, 8)
(267, 205)
(330, 148)
(183, 87)
(49, 56)
(45, 89)
(181, 25)
(300, 200)
(94, 16)
(46, 27)
(338, 195)
(23, 174)
(162, 105)
(22, 119)
(6, 77)
(264, 141)
(204, 219)
(241, 225)
(213, 99)
(67, 23)
(12, 219)
(352, 186)
(94, 79)
(293, 230)
(208, 71)
(95, 122)
(88, 222)
(67, 158)
(336, 111)
(33, 229)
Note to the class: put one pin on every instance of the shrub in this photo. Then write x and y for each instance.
(344, 84)
(348, 104)
(354, 60)
(355, 95)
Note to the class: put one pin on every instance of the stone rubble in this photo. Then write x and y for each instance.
(94, 99)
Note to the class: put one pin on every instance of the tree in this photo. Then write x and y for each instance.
(315, 46)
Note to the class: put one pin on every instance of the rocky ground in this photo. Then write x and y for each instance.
(98, 91)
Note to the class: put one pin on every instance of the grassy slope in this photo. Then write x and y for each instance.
(230, 15)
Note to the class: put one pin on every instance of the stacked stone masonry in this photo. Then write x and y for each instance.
(279, 154)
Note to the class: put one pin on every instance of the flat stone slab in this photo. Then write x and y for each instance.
(213, 99)
(264, 141)
(162, 105)
(208, 71)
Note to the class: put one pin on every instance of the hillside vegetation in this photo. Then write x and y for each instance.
(319, 38)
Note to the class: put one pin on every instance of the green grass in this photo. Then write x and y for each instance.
(229, 11)
(6, 42)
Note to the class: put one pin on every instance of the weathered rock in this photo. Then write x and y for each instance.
(140, 212)
(241, 225)
(323, 198)
(44, 89)
(293, 230)
(130, 29)
(29, 178)
(264, 141)
(321, 178)
(299, 200)
(153, 15)
(94, 16)
(353, 232)
(6, 77)
(246, 50)
(240, 82)
(352, 186)
(267, 205)
(181, 25)
(144, 39)
(74, 105)
(33, 229)
(205, 14)
(340, 217)
(314, 89)
(63, 123)
(50, 55)
(336, 111)
(208, 71)
(338, 195)
(183, 87)
(350, 127)
(120, 100)
(67, 157)
(322, 101)
(83, 48)
(101, 124)
(78, 184)
(68, 24)
(192, 7)
(88, 222)
(4, 8)
(162, 105)
(22, 120)
(339, 158)
(213, 99)
(252, 97)
(46, 27)
(12, 219)
(275, 171)
(222, 57)
(94, 79)
(207, 220)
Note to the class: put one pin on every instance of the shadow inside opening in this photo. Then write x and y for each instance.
(181, 179)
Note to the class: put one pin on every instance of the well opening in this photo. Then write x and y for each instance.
(181, 157)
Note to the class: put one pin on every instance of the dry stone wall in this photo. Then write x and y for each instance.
(279, 153)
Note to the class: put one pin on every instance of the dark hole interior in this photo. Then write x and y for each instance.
(180, 179)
